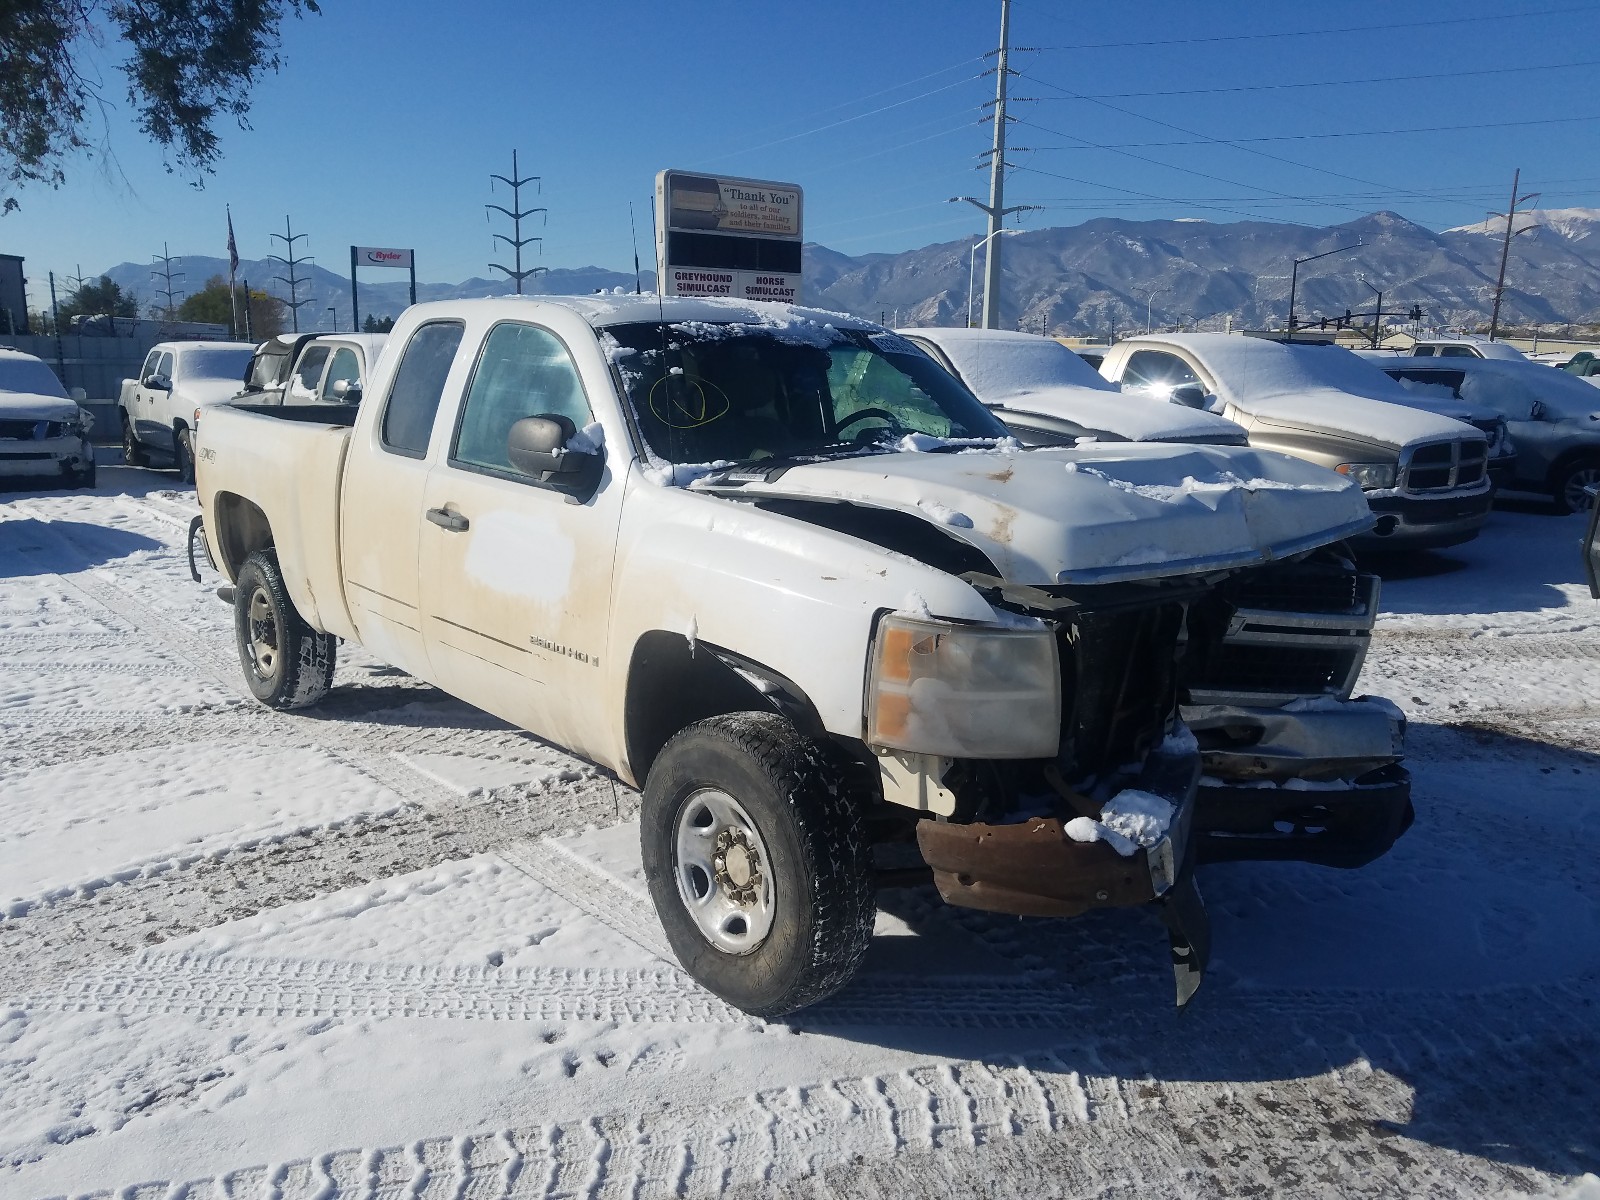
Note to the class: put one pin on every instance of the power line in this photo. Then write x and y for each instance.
(1227, 142)
(1152, 196)
(1386, 27)
(1342, 133)
(1325, 83)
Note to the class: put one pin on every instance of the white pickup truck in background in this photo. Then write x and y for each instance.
(157, 408)
(786, 574)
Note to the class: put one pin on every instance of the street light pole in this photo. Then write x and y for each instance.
(972, 263)
(1294, 275)
(1149, 295)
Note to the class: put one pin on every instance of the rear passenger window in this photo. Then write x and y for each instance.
(524, 371)
(418, 387)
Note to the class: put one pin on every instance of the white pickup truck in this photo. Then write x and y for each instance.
(783, 572)
(157, 408)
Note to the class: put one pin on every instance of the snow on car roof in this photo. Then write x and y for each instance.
(1488, 380)
(1496, 350)
(609, 308)
(1000, 365)
(1309, 383)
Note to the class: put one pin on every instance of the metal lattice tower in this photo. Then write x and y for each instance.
(289, 237)
(516, 212)
(161, 270)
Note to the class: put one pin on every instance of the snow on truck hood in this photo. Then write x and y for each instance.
(1101, 514)
(31, 406)
(1326, 410)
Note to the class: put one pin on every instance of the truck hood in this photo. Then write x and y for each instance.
(1126, 416)
(1102, 513)
(1326, 410)
(31, 406)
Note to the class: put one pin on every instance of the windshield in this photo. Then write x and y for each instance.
(215, 362)
(28, 374)
(705, 393)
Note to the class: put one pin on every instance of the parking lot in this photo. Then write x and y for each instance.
(398, 941)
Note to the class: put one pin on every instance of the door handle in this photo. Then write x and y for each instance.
(451, 522)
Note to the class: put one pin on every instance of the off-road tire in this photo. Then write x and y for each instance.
(183, 455)
(1567, 482)
(797, 793)
(133, 453)
(300, 670)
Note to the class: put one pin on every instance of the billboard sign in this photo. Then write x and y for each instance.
(739, 238)
(377, 256)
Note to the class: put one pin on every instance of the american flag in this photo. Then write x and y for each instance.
(233, 250)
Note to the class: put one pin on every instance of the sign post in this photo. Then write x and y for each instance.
(379, 256)
(717, 236)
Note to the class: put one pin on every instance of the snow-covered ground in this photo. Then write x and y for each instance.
(390, 947)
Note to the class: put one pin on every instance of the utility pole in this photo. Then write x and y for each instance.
(166, 274)
(996, 208)
(1505, 247)
(516, 212)
(289, 237)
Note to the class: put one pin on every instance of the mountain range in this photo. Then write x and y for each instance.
(1106, 275)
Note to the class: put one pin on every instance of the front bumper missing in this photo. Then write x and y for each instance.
(1320, 784)
(1033, 868)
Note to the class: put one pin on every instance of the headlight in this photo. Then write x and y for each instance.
(964, 691)
(1369, 476)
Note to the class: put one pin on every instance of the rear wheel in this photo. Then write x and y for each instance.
(287, 664)
(754, 850)
(132, 452)
(184, 455)
(1571, 482)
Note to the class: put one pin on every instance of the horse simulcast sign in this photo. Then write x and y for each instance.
(739, 238)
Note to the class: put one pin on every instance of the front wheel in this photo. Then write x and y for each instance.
(287, 664)
(1570, 485)
(754, 850)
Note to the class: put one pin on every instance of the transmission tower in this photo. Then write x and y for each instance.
(516, 212)
(161, 272)
(289, 237)
(996, 208)
(1510, 216)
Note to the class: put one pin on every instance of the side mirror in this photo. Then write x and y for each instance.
(1537, 411)
(78, 395)
(159, 382)
(346, 391)
(538, 446)
(1190, 395)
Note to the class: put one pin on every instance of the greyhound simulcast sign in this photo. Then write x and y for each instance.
(728, 237)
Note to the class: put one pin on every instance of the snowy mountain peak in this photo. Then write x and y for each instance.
(1572, 223)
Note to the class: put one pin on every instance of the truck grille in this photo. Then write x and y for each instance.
(1280, 632)
(29, 431)
(1441, 466)
(1119, 685)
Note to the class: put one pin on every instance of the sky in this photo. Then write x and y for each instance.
(385, 123)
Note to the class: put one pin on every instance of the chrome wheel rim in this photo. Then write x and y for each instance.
(723, 871)
(1577, 490)
(263, 636)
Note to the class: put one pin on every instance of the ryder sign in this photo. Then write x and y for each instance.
(377, 256)
(717, 236)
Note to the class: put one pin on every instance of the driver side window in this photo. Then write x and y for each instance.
(1157, 369)
(523, 371)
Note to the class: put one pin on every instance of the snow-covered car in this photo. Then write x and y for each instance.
(783, 572)
(311, 368)
(1271, 702)
(44, 433)
(1553, 417)
(157, 408)
(1466, 347)
(1425, 476)
(1047, 394)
